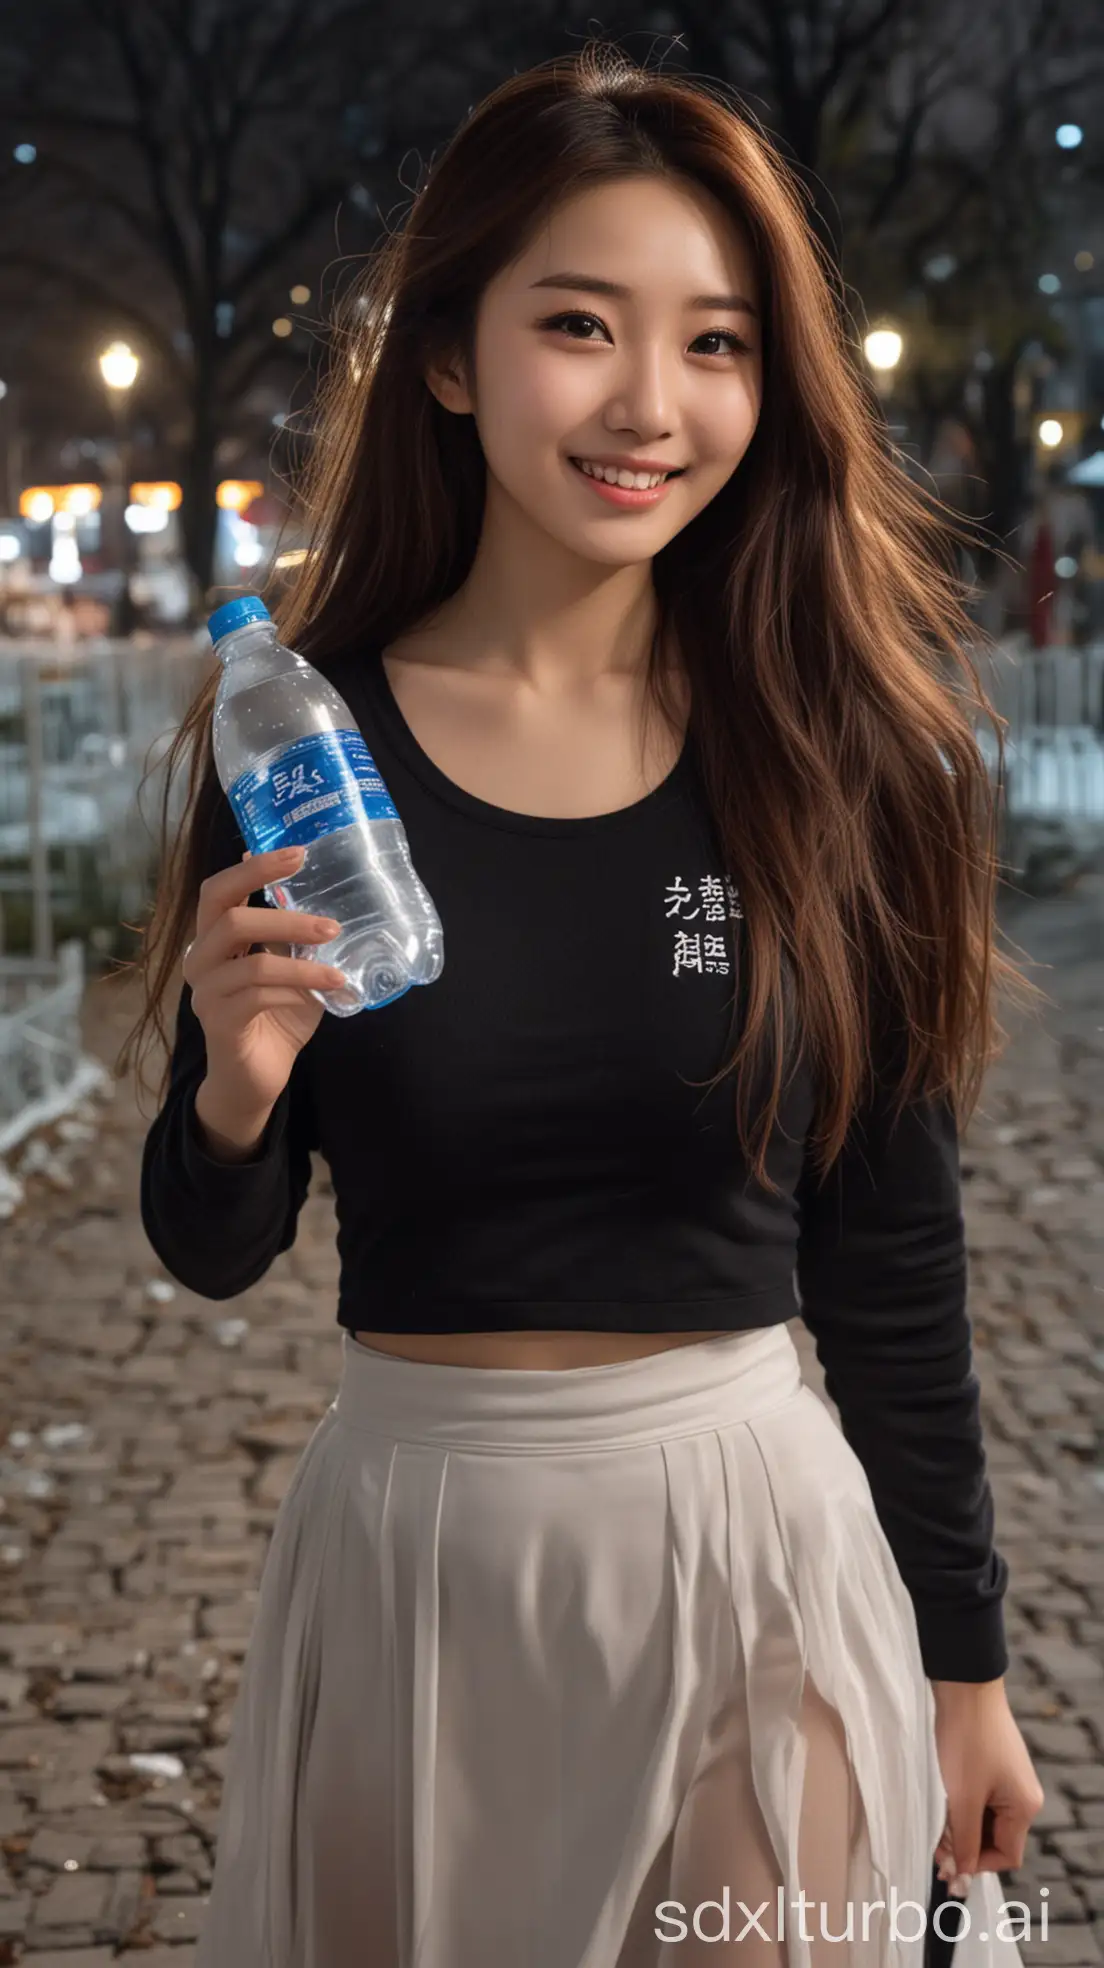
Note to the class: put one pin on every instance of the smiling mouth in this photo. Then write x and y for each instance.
(598, 473)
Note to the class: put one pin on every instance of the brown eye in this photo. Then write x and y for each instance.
(736, 343)
(560, 321)
(566, 323)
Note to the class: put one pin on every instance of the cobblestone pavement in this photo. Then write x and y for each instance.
(147, 1436)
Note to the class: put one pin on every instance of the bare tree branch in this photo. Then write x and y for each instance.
(108, 300)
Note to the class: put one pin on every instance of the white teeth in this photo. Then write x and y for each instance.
(632, 481)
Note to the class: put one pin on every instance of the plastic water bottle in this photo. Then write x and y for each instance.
(297, 772)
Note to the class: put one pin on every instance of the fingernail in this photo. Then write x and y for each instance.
(960, 1885)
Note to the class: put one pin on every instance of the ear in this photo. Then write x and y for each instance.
(446, 380)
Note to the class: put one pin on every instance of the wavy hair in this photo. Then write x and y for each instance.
(813, 602)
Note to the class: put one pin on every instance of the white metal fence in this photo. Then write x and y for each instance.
(1053, 811)
(80, 730)
(44, 1070)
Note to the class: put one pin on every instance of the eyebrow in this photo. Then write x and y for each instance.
(586, 283)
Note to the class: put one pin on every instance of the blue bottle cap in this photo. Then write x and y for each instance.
(236, 614)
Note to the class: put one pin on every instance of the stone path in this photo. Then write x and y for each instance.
(147, 1436)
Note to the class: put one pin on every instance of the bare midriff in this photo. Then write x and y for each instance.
(550, 1352)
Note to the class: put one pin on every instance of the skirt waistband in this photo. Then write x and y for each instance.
(683, 1390)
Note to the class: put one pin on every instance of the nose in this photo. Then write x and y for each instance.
(641, 401)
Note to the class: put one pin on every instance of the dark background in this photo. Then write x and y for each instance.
(170, 170)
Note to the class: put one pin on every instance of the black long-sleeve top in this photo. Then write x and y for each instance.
(527, 1143)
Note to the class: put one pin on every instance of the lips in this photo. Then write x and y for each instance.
(630, 498)
(649, 471)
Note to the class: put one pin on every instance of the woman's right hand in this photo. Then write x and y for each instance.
(257, 1008)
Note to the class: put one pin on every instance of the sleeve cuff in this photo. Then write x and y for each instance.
(963, 1644)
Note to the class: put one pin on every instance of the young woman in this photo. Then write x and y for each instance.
(586, 1639)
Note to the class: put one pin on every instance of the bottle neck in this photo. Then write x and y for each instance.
(251, 635)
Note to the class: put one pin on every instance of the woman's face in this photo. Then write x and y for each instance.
(666, 369)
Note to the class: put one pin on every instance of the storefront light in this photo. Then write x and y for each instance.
(162, 495)
(235, 494)
(146, 519)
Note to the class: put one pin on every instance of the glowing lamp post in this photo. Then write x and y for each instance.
(883, 348)
(119, 368)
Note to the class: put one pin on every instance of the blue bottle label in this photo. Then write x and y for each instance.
(315, 786)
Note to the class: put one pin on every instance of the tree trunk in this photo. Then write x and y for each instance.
(199, 513)
(1004, 456)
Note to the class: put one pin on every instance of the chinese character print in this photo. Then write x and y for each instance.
(677, 894)
(713, 900)
(294, 784)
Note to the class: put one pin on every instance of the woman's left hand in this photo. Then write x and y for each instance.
(993, 1793)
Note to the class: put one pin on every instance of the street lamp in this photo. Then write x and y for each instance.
(882, 349)
(119, 368)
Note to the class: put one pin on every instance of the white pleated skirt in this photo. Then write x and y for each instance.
(586, 1668)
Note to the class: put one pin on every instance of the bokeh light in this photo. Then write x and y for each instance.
(882, 348)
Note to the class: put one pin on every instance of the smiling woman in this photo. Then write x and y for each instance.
(581, 1615)
(657, 361)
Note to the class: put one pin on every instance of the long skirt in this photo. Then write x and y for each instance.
(599, 1667)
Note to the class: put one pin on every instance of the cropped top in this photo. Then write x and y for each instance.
(528, 1143)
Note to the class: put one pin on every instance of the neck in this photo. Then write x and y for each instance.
(534, 611)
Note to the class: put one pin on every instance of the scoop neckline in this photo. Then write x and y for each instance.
(506, 818)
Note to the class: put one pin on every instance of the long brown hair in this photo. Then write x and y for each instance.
(812, 603)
